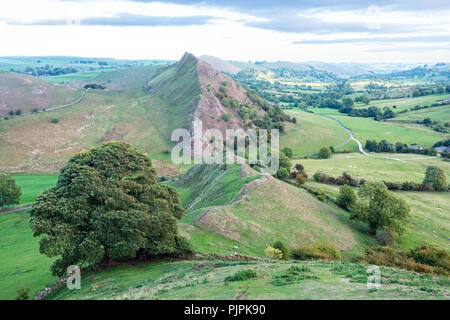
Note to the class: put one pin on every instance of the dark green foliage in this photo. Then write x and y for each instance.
(293, 275)
(288, 152)
(347, 197)
(107, 206)
(242, 275)
(23, 294)
(380, 208)
(94, 86)
(9, 192)
(226, 117)
(54, 120)
(325, 153)
(284, 250)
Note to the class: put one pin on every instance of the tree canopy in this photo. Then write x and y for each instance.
(107, 205)
(9, 192)
(435, 178)
(380, 208)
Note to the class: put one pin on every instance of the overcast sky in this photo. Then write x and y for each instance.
(352, 31)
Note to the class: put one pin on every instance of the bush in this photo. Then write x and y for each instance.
(347, 197)
(320, 250)
(300, 178)
(242, 275)
(54, 120)
(226, 117)
(23, 294)
(386, 236)
(325, 153)
(431, 256)
(299, 167)
(288, 152)
(273, 253)
(284, 250)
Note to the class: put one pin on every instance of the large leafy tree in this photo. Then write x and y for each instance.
(380, 208)
(435, 178)
(107, 205)
(9, 192)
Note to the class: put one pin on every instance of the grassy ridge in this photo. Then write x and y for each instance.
(272, 210)
(206, 280)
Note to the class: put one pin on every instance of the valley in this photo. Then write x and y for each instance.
(234, 212)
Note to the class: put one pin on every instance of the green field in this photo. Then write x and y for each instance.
(79, 76)
(372, 168)
(405, 103)
(205, 279)
(22, 266)
(440, 114)
(429, 210)
(365, 128)
(34, 184)
(311, 132)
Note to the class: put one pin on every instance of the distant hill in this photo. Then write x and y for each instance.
(341, 69)
(25, 93)
(222, 65)
(141, 106)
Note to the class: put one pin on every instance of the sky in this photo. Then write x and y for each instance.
(413, 31)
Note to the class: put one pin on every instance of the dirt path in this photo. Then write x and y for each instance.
(53, 108)
(15, 209)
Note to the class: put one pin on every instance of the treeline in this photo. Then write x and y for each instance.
(435, 180)
(46, 70)
(398, 147)
(370, 112)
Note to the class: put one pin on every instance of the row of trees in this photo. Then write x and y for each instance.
(398, 147)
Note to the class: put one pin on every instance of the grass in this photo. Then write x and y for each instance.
(440, 114)
(371, 168)
(311, 132)
(134, 116)
(217, 220)
(22, 266)
(429, 221)
(34, 184)
(366, 128)
(405, 103)
(205, 279)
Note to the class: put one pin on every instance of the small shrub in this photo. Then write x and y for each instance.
(273, 253)
(242, 275)
(325, 153)
(284, 250)
(347, 197)
(386, 236)
(54, 120)
(299, 167)
(23, 294)
(320, 250)
(226, 117)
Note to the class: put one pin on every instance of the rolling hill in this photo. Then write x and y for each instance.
(141, 106)
(238, 206)
(26, 93)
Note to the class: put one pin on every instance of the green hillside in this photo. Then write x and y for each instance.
(205, 279)
(238, 207)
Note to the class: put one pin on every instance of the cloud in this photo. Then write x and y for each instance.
(433, 38)
(122, 20)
